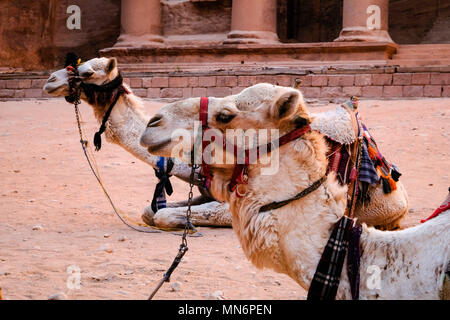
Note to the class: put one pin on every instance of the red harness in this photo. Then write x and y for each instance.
(240, 172)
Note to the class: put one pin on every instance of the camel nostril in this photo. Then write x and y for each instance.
(155, 121)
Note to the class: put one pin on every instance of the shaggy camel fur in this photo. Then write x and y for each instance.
(128, 121)
(406, 264)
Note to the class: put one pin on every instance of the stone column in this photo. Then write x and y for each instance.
(365, 20)
(141, 24)
(253, 21)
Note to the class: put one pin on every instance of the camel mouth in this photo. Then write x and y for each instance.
(54, 90)
(51, 90)
(154, 147)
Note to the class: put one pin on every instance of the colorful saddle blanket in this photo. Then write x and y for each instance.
(337, 126)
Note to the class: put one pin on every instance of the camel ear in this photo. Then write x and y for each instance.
(112, 64)
(286, 105)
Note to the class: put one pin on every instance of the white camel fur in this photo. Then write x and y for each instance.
(290, 240)
(127, 123)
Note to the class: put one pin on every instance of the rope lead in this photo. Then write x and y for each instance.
(74, 98)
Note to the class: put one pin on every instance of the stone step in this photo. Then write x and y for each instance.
(425, 48)
(298, 66)
(422, 55)
(420, 62)
(255, 53)
(417, 56)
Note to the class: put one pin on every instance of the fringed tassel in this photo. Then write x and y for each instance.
(395, 173)
(386, 186)
(392, 184)
(98, 141)
(164, 185)
(389, 184)
(372, 152)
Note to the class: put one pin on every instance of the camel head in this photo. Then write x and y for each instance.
(262, 106)
(98, 70)
(57, 84)
(95, 71)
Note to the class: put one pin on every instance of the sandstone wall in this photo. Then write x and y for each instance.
(34, 36)
(410, 21)
(183, 17)
(413, 21)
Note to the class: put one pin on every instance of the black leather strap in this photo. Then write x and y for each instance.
(304, 193)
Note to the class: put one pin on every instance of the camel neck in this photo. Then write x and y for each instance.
(264, 236)
(125, 126)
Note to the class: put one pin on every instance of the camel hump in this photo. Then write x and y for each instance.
(335, 124)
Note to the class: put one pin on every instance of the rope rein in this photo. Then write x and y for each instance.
(184, 245)
(75, 99)
(96, 173)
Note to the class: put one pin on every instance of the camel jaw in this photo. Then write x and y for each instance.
(56, 90)
(156, 149)
(154, 144)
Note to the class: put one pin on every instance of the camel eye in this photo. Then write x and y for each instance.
(225, 118)
(87, 74)
(155, 121)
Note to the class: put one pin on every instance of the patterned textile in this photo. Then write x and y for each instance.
(339, 161)
(367, 172)
(374, 168)
(388, 173)
(163, 186)
(326, 280)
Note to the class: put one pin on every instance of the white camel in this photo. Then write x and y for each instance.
(128, 121)
(411, 262)
(126, 124)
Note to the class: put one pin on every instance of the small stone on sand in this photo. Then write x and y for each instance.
(175, 286)
(106, 248)
(58, 296)
(216, 295)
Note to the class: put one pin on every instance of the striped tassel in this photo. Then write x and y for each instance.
(392, 184)
(372, 152)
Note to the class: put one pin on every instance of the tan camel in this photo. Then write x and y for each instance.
(128, 121)
(411, 262)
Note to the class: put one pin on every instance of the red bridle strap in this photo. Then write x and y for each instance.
(204, 112)
(240, 172)
(205, 171)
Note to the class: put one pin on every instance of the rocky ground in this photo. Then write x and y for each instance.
(55, 221)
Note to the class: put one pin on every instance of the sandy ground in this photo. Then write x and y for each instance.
(45, 181)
